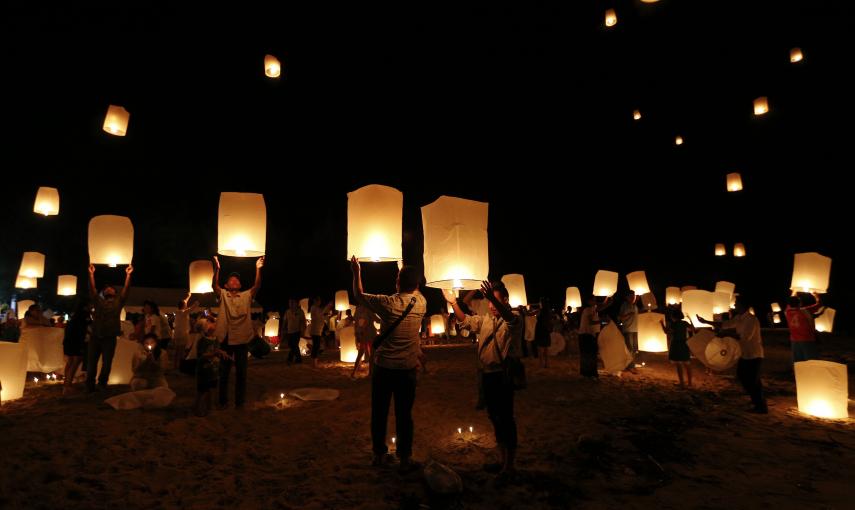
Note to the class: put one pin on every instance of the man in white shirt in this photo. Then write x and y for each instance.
(235, 330)
(295, 323)
(396, 360)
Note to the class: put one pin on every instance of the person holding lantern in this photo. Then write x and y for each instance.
(106, 326)
(800, 321)
(235, 330)
(589, 328)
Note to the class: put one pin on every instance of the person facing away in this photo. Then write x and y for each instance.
(106, 327)
(677, 331)
(800, 321)
(628, 315)
(74, 343)
(589, 328)
(396, 360)
(208, 357)
(365, 334)
(181, 333)
(295, 324)
(235, 330)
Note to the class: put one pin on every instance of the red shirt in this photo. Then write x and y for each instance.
(800, 322)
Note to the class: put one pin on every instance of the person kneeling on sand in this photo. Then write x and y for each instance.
(148, 374)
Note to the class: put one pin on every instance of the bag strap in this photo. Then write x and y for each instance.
(378, 342)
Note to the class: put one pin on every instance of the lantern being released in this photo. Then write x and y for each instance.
(637, 281)
(698, 302)
(673, 295)
(22, 282)
(455, 252)
(651, 337)
(636, 114)
(201, 276)
(811, 272)
(605, 283)
(348, 351)
(721, 303)
(761, 106)
(572, 298)
(242, 225)
(22, 308)
(66, 285)
(776, 319)
(678, 140)
(272, 67)
(825, 322)
(796, 55)
(726, 287)
(116, 121)
(13, 370)
(271, 327)
(611, 18)
(734, 182)
(776, 308)
(738, 250)
(720, 250)
(47, 201)
(822, 389)
(515, 283)
(111, 240)
(32, 265)
(374, 223)
(342, 301)
(437, 325)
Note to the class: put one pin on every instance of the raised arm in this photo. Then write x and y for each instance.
(93, 292)
(127, 287)
(215, 282)
(356, 269)
(452, 300)
(504, 310)
(258, 265)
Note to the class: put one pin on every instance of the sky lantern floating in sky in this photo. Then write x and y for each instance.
(342, 301)
(111, 240)
(572, 298)
(761, 106)
(796, 55)
(66, 285)
(720, 250)
(673, 295)
(242, 225)
(456, 246)
(636, 114)
(22, 282)
(32, 265)
(637, 281)
(47, 201)
(822, 389)
(272, 67)
(605, 283)
(611, 18)
(437, 325)
(776, 308)
(678, 140)
(374, 223)
(825, 322)
(734, 182)
(776, 319)
(739, 250)
(201, 276)
(811, 273)
(515, 283)
(116, 120)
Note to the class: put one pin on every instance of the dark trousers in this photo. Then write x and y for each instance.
(99, 348)
(400, 384)
(588, 355)
(316, 346)
(804, 351)
(499, 397)
(294, 348)
(239, 353)
(748, 372)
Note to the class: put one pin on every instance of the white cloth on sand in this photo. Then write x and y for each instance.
(613, 350)
(146, 399)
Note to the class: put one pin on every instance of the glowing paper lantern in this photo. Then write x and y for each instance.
(636, 114)
(811, 272)
(32, 265)
(66, 285)
(22, 282)
(271, 327)
(272, 67)
(722, 353)
(111, 240)
(455, 233)
(776, 308)
(121, 372)
(242, 225)
(721, 303)
(648, 301)
(348, 350)
(673, 295)
(688, 287)
(23, 306)
(611, 18)
(572, 298)
(726, 287)
(123, 315)
(720, 250)
(637, 281)
(761, 106)
(776, 319)
(651, 337)
(13, 370)
(515, 283)
(342, 301)
(649, 1)
(734, 182)
(116, 121)
(822, 389)
(304, 304)
(605, 283)
(201, 276)
(47, 201)
(374, 223)
(678, 140)
(738, 250)
(437, 325)
(698, 302)
(825, 322)
(796, 55)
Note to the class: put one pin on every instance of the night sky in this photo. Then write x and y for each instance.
(528, 108)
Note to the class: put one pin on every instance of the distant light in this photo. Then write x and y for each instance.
(678, 140)
(734, 182)
(636, 114)
(761, 106)
(116, 120)
(796, 55)
(611, 18)
(272, 67)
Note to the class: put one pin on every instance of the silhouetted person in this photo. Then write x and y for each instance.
(106, 326)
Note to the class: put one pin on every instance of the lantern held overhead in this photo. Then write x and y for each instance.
(456, 248)
(111, 240)
(811, 272)
(515, 283)
(242, 225)
(201, 276)
(374, 223)
(47, 201)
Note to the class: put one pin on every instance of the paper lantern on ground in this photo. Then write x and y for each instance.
(738, 250)
(242, 225)
(722, 353)
(572, 298)
(111, 240)
(201, 276)
(47, 201)
(23, 306)
(811, 272)
(720, 250)
(271, 327)
(13, 370)
(726, 287)
(673, 295)
(776, 308)
(437, 325)
(66, 285)
(761, 106)
(455, 234)
(678, 140)
(721, 303)
(116, 121)
(822, 389)
(637, 281)
(651, 337)
(342, 301)
(22, 282)
(515, 283)
(374, 223)
(636, 114)
(698, 302)
(825, 322)
(611, 18)
(776, 319)
(32, 265)
(348, 350)
(796, 55)
(272, 67)
(734, 182)
(605, 283)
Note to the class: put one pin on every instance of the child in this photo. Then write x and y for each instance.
(208, 355)
(678, 351)
(148, 374)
